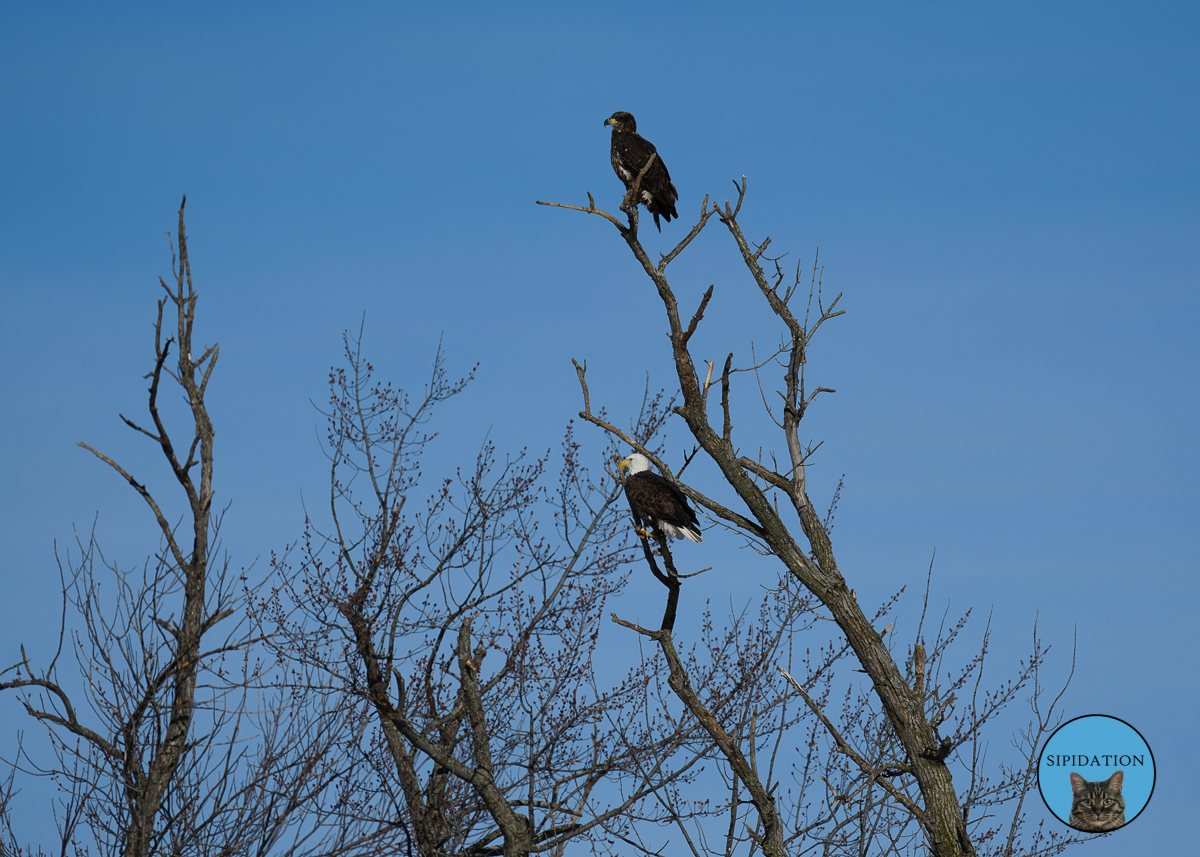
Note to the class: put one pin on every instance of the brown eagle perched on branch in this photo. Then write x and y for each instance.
(657, 503)
(630, 152)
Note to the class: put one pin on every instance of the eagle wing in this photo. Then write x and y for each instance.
(630, 152)
(655, 501)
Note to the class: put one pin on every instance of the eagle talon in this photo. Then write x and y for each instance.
(641, 531)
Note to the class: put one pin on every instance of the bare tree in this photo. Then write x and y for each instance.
(168, 741)
(896, 769)
(436, 682)
(463, 628)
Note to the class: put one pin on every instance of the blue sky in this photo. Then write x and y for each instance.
(1007, 195)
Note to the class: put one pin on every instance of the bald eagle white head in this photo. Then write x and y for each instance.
(657, 503)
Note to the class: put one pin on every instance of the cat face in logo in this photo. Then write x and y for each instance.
(1097, 806)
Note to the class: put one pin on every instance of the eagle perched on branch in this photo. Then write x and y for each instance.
(630, 152)
(657, 503)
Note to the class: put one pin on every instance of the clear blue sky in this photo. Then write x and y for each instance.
(1007, 194)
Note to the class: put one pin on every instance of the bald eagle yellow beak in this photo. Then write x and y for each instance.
(609, 121)
(622, 466)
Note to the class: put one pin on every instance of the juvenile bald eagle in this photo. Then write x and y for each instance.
(657, 503)
(630, 152)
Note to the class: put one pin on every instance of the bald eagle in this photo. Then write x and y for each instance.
(630, 152)
(657, 503)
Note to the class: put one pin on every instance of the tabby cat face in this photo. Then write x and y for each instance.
(1099, 805)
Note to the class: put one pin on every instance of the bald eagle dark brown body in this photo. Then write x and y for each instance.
(657, 503)
(630, 152)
